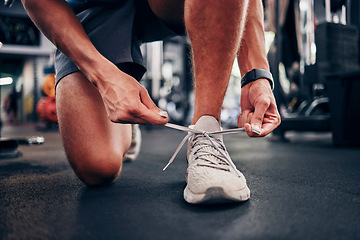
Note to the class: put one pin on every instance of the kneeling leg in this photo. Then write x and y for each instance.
(93, 144)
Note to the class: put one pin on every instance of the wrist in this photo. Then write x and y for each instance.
(255, 75)
(94, 67)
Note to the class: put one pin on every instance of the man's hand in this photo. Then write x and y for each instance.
(258, 108)
(125, 100)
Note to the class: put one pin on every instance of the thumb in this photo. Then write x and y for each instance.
(151, 116)
(256, 121)
(157, 116)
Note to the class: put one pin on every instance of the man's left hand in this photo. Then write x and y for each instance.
(258, 109)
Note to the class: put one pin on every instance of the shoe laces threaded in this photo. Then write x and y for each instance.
(222, 159)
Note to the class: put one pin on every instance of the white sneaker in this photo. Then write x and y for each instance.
(135, 145)
(211, 175)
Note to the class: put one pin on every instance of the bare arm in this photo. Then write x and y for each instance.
(58, 25)
(258, 104)
(124, 98)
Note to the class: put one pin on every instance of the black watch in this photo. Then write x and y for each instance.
(256, 74)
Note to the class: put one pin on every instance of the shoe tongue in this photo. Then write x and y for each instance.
(208, 124)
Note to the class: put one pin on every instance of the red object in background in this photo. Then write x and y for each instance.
(46, 109)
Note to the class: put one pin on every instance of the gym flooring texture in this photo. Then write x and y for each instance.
(302, 189)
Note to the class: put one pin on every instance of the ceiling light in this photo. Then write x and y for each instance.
(6, 81)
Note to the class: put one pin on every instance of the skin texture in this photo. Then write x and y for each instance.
(242, 31)
(95, 104)
(258, 104)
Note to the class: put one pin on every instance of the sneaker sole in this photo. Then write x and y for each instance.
(134, 149)
(215, 195)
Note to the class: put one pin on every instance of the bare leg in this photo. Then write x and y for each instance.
(94, 145)
(219, 31)
(214, 28)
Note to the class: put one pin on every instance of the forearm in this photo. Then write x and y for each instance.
(252, 52)
(125, 100)
(58, 23)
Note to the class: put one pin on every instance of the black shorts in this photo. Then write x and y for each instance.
(117, 33)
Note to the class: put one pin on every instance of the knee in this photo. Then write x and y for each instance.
(98, 170)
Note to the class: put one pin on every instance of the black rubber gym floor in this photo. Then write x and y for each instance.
(303, 189)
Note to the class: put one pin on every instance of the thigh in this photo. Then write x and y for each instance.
(112, 32)
(94, 145)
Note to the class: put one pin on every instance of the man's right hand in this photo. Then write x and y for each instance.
(125, 100)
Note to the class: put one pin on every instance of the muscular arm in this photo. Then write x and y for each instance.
(58, 23)
(258, 104)
(124, 98)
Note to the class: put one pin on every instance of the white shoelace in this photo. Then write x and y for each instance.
(191, 132)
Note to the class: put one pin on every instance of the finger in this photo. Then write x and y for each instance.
(141, 115)
(267, 128)
(147, 101)
(248, 131)
(251, 132)
(158, 116)
(257, 118)
(243, 117)
(244, 121)
(271, 122)
(151, 116)
(249, 117)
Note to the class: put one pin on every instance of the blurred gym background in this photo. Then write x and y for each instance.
(304, 177)
(313, 52)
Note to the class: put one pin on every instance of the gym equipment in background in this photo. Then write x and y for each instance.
(8, 146)
(46, 109)
(168, 78)
(327, 48)
(46, 106)
(8, 3)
